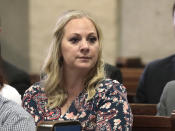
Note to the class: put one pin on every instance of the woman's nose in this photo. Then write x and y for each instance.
(84, 47)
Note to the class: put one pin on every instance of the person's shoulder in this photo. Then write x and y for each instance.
(163, 61)
(34, 89)
(9, 88)
(14, 94)
(10, 107)
(17, 109)
(14, 116)
(109, 85)
(171, 83)
(170, 86)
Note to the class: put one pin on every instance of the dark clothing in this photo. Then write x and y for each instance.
(15, 77)
(155, 76)
(113, 72)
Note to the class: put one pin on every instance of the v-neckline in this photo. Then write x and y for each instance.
(68, 109)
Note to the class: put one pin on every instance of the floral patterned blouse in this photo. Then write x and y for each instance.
(108, 110)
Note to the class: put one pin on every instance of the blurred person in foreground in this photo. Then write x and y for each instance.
(13, 117)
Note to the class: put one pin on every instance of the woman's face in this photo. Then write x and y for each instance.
(80, 45)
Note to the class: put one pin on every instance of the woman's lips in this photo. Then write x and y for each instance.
(84, 58)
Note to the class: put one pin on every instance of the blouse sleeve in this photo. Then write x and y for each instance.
(29, 103)
(114, 112)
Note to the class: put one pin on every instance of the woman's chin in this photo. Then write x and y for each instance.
(84, 67)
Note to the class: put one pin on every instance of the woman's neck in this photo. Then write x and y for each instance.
(73, 82)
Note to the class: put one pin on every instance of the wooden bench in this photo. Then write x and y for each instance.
(153, 123)
(145, 118)
(143, 109)
(131, 78)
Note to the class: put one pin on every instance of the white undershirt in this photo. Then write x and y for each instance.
(11, 93)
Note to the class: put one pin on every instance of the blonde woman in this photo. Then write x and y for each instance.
(74, 85)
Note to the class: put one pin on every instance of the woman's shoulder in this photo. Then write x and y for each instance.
(34, 94)
(34, 89)
(109, 90)
(109, 85)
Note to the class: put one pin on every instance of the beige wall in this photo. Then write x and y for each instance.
(14, 38)
(147, 29)
(130, 27)
(43, 16)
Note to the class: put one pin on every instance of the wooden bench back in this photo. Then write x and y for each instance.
(131, 78)
(143, 109)
(153, 123)
(145, 118)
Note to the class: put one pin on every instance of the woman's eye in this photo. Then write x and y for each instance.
(92, 39)
(74, 40)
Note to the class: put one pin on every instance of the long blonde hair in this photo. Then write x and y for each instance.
(52, 68)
